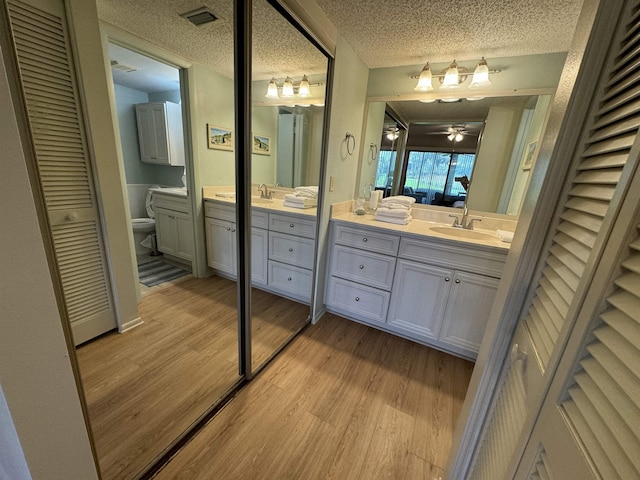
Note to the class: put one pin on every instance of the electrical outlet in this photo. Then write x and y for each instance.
(332, 183)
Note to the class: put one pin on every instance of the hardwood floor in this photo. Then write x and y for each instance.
(147, 386)
(343, 402)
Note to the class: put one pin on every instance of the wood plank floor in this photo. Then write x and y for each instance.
(147, 386)
(342, 401)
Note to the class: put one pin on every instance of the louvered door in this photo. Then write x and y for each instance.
(576, 241)
(48, 79)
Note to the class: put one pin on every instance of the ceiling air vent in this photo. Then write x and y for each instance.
(115, 65)
(200, 16)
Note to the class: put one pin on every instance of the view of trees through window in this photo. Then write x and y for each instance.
(430, 176)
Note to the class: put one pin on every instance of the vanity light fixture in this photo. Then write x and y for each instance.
(453, 76)
(287, 88)
(290, 88)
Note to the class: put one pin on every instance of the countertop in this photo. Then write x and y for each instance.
(273, 205)
(415, 227)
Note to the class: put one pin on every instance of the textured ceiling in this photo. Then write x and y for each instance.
(383, 33)
(407, 32)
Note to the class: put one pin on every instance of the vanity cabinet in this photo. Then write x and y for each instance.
(174, 228)
(220, 230)
(160, 133)
(434, 291)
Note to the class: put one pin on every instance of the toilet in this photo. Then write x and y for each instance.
(143, 227)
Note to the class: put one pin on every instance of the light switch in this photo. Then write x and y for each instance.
(332, 183)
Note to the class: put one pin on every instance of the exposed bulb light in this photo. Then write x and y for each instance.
(451, 136)
(475, 99)
(304, 90)
(451, 78)
(272, 89)
(425, 80)
(427, 100)
(480, 75)
(458, 137)
(287, 88)
(392, 135)
(449, 100)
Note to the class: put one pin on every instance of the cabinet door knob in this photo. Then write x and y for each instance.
(291, 225)
(73, 216)
(233, 230)
(357, 299)
(457, 280)
(291, 249)
(364, 239)
(361, 267)
(228, 229)
(446, 279)
(289, 279)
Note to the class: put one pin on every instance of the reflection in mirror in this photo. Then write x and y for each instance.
(158, 379)
(287, 131)
(491, 141)
(394, 134)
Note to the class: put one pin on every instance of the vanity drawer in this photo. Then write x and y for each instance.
(259, 219)
(364, 267)
(451, 256)
(291, 249)
(171, 202)
(366, 239)
(220, 211)
(292, 225)
(358, 301)
(290, 280)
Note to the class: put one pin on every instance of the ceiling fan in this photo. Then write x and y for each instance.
(454, 133)
(391, 132)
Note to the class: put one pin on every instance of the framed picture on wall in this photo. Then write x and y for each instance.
(527, 159)
(261, 145)
(219, 137)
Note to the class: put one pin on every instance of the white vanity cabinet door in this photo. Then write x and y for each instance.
(221, 245)
(419, 299)
(357, 301)
(160, 133)
(468, 308)
(174, 233)
(259, 256)
(290, 249)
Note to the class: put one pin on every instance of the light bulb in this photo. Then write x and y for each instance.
(451, 77)
(304, 90)
(427, 100)
(272, 89)
(287, 87)
(451, 136)
(480, 75)
(458, 137)
(424, 82)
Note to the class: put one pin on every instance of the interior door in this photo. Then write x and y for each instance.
(41, 46)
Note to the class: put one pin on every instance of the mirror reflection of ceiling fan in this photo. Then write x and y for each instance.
(392, 132)
(454, 133)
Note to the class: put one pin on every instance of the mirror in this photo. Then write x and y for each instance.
(501, 132)
(287, 132)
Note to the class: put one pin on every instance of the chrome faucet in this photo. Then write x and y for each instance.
(264, 191)
(464, 221)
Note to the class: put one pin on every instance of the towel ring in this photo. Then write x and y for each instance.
(348, 138)
(373, 152)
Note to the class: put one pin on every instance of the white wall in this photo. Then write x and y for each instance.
(264, 121)
(492, 158)
(35, 366)
(346, 113)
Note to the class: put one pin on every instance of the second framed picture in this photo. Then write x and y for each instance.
(219, 137)
(261, 145)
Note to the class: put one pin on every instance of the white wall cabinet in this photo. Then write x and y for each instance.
(174, 227)
(435, 292)
(160, 133)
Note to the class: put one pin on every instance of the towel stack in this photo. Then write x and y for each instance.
(303, 197)
(396, 209)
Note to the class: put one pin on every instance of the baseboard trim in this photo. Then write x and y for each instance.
(125, 327)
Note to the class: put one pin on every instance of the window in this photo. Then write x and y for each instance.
(386, 164)
(431, 176)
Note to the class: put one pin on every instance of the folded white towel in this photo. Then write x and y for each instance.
(306, 203)
(394, 206)
(310, 191)
(402, 199)
(505, 235)
(306, 194)
(396, 220)
(397, 213)
(293, 198)
(225, 194)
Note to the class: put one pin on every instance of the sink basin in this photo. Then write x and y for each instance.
(463, 233)
(261, 200)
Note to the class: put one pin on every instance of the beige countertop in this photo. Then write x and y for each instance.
(214, 194)
(485, 238)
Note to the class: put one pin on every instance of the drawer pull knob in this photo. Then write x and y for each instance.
(446, 279)
(233, 230)
(228, 229)
(291, 225)
(289, 279)
(357, 299)
(457, 280)
(361, 267)
(291, 249)
(364, 239)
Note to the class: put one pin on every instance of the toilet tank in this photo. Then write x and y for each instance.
(137, 196)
